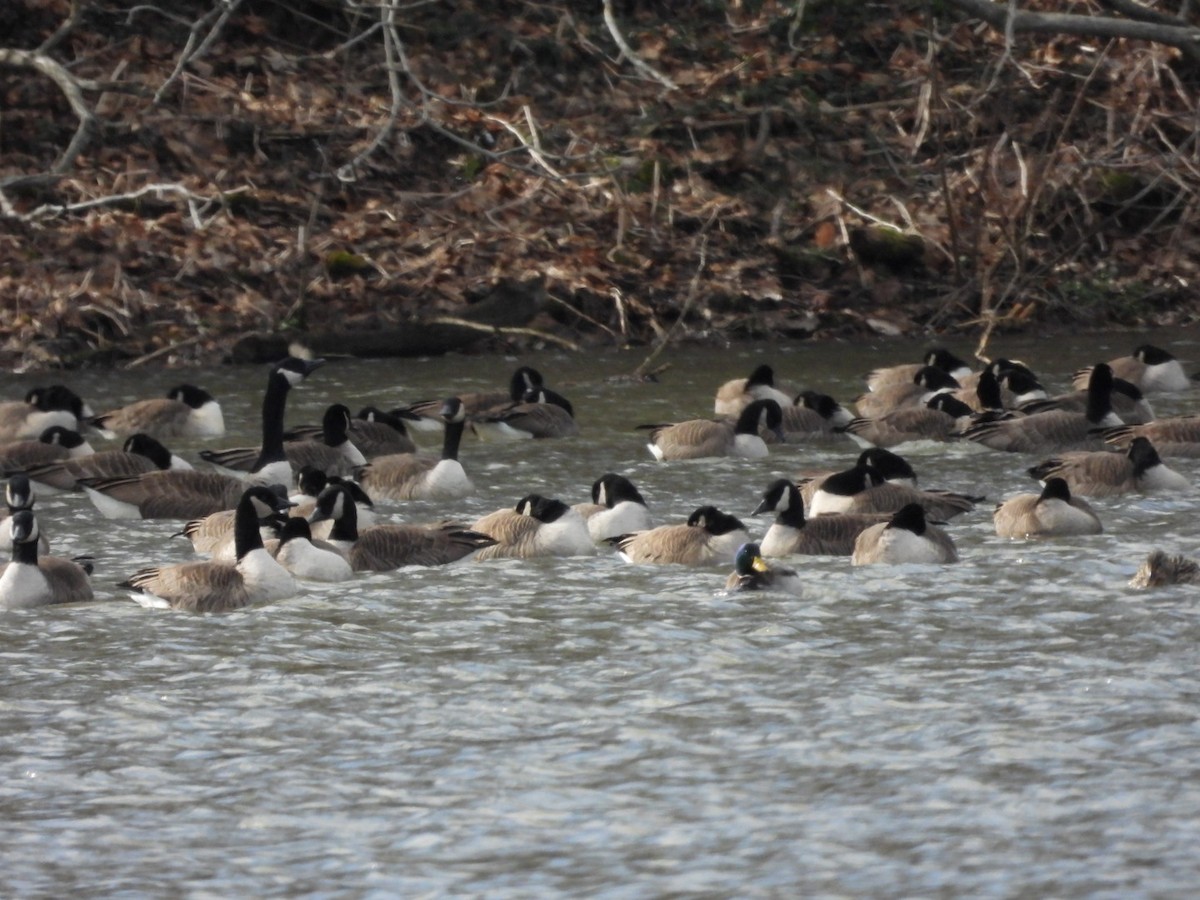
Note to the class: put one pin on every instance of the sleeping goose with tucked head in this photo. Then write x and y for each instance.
(709, 537)
(52, 445)
(537, 526)
(381, 548)
(140, 453)
(751, 572)
(296, 551)
(702, 438)
(28, 581)
(42, 408)
(904, 373)
(905, 538)
(1052, 513)
(812, 416)
(863, 489)
(541, 413)
(1102, 473)
(942, 418)
(928, 381)
(617, 508)
(186, 412)
(735, 395)
(213, 586)
(413, 476)
(1152, 369)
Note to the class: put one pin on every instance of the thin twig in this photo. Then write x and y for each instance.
(610, 19)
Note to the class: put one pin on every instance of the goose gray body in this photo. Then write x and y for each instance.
(29, 581)
(373, 431)
(942, 418)
(904, 373)
(703, 438)
(1052, 513)
(928, 381)
(538, 415)
(1104, 473)
(139, 454)
(861, 489)
(1152, 369)
(905, 538)
(52, 445)
(709, 537)
(794, 534)
(42, 408)
(736, 394)
(186, 412)
(537, 526)
(811, 417)
(426, 415)
(1176, 436)
(414, 476)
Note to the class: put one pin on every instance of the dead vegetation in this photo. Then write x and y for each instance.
(173, 178)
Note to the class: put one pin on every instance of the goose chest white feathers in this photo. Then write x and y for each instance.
(751, 572)
(186, 412)
(793, 534)
(863, 489)
(1052, 513)
(412, 476)
(703, 438)
(382, 548)
(1103, 473)
(189, 495)
(306, 559)
(905, 538)
(42, 408)
(537, 526)
(139, 454)
(735, 395)
(617, 508)
(1151, 368)
(28, 581)
(709, 537)
(255, 577)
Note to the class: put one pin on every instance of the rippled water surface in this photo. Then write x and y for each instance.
(1021, 724)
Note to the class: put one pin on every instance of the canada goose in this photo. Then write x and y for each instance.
(862, 489)
(700, 438)
(296, 551)
(906, 538)
(735, 395)
(1103, 473)
(1019, 386)
(938, 357)
(536, 526)
(887, 466)
(1175, 436)
(28, 581)
(42, 408)
(310, 482)
(52, 445)
(753, 573)
(1161, 569)
(617, 508)
(811, 416)
(426, 415)
(1053, 512)
(1015, 383)
(214, 535)
(1128, 403)
(332, 451)
(928, 381)
(1151, 368)
(1055, 431)
(18, 495)
(186, 412)
(382, 548)
(411, 476)
(792, 534)
(942, 418)
(190, 495)
(140, 453)
(373, 431)
(709, 537)
(219, 586)
(539, 414)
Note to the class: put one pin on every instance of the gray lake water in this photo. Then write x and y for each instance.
(1021, 724)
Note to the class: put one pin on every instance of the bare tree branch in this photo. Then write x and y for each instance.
(610, 19)
(72, 88)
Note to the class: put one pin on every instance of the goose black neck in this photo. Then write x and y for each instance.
(246, 536)
(452, 439)
(1099, 393)
(345, 526)
(274, 405)
(793, 515)
(25, 552)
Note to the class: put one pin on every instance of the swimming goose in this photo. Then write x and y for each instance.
(906, 538)
(18, 495)
(213, 535)
(938, 357)
(220, 586)
(332, 451)
(296, 551)
(709, 537)
(412, 476)
(700, 438)
(540, 414)
(928, 381)
(735, 395)
(811, 416)
(28, 581)
(1175, 436)
(888, 466)
(382, 548)
(753, 573)
(42, 408)
(1055, 431)
(186, 412)
(373, 431)
(617, 508)
(536, 526)
(863, 489)
(1161, 569)
(140, 453)
(1103, 473)
(942, 418)
(1053, 512)
(1151, 368)
(311, 482)
(426, 415)
(792, 534)
(189, 495)
(52, 445)
(1128, 403)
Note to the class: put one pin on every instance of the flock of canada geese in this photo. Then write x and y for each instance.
(302, 505)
